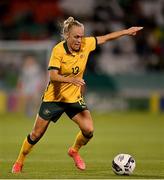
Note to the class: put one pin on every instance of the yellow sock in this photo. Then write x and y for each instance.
(80, 141)
(25, 149)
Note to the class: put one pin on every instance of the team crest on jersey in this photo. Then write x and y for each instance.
(81, 56)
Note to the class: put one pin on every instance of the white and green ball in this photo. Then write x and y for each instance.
(123, 164)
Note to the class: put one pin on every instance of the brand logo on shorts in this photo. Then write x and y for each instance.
(46, 112)
(83, 106)
(82, 103)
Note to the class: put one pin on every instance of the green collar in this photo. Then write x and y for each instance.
(66, 48)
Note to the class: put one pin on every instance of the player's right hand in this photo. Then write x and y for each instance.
(77, 81)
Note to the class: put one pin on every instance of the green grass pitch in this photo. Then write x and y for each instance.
(139, 134)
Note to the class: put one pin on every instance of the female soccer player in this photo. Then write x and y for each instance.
(63, 93)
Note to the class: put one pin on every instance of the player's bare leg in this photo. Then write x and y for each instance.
(38, 130)
(85, 123)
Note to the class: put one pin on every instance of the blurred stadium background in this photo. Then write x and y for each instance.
(129, 71)
(122, 76)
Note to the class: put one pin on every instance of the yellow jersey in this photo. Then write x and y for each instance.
(69, 65)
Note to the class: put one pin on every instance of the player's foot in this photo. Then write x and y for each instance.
(17, 168)
(80, 164)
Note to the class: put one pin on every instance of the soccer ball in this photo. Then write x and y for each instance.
(123, 164)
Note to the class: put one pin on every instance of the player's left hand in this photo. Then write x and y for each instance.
(133, 30)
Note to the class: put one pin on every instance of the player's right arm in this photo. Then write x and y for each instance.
(55, 76)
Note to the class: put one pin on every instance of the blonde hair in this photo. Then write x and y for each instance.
(67, 25)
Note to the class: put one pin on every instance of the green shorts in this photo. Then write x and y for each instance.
(52, 111)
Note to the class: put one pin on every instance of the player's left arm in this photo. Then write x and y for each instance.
(114, 35)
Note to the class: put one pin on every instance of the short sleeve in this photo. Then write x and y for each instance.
(55, 59)
(91, 43)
